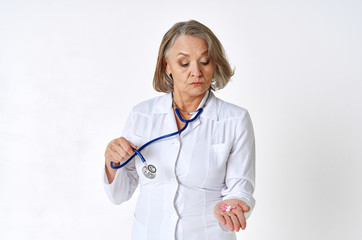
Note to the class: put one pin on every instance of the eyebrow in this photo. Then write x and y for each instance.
(187, 55)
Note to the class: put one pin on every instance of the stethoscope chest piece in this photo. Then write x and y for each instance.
(149, 171)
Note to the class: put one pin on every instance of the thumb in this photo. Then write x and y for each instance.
(244, 206)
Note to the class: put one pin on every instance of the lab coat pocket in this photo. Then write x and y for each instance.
(218, 156)
(138, 140)
(219, 147)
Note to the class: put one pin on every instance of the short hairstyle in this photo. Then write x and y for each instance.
(223, 71)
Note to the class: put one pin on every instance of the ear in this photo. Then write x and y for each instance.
(166, 65)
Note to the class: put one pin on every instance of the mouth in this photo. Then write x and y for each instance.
(196, 83)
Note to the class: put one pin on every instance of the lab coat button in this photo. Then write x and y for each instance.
(177, 144)
(173, 180)
(174, 217)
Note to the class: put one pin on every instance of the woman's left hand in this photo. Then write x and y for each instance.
(234, 218)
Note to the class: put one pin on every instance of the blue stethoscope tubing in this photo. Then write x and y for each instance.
(137, 151)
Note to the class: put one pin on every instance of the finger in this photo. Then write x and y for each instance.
(235, 221)
(244, 206)
(127, 146)
(109, 156)
(117, 152)
(229, 222)
(218, 213)
(239, 215)
(110, 159)
(238, 211)
(123, 142)
(128, 149)
(242, 219)
(115, 157)
(220, 218)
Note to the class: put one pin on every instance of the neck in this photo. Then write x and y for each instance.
(187, 103)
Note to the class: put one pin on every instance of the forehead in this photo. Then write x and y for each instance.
(189, 44)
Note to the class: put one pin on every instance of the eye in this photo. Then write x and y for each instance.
(205, 62)
(184, 64)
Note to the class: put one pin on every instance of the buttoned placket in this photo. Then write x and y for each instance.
(176, 141)
(174, 147)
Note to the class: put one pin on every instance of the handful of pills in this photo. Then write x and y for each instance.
(227, 208)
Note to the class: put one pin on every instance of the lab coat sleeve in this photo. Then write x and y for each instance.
(240, 172)
(126, 179)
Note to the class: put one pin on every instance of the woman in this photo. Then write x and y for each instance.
(205, 175)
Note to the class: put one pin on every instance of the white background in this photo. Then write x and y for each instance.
(70, 71)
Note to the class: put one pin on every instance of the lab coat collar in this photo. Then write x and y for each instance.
(164, 105)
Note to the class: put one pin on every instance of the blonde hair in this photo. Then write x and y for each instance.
(223, 71)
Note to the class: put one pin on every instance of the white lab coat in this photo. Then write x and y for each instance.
(212, 160)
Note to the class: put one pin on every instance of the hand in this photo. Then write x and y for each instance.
(235, 218)
(119, 150)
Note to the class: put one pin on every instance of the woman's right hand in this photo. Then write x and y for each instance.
(118, 150)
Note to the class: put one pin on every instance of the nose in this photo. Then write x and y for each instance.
(196, 70)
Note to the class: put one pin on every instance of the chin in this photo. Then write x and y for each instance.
(197, 91)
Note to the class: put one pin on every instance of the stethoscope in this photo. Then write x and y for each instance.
(149, 171)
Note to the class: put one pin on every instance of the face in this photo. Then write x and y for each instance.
(191, 68)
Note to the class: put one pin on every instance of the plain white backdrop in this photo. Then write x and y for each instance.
(70, 71)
